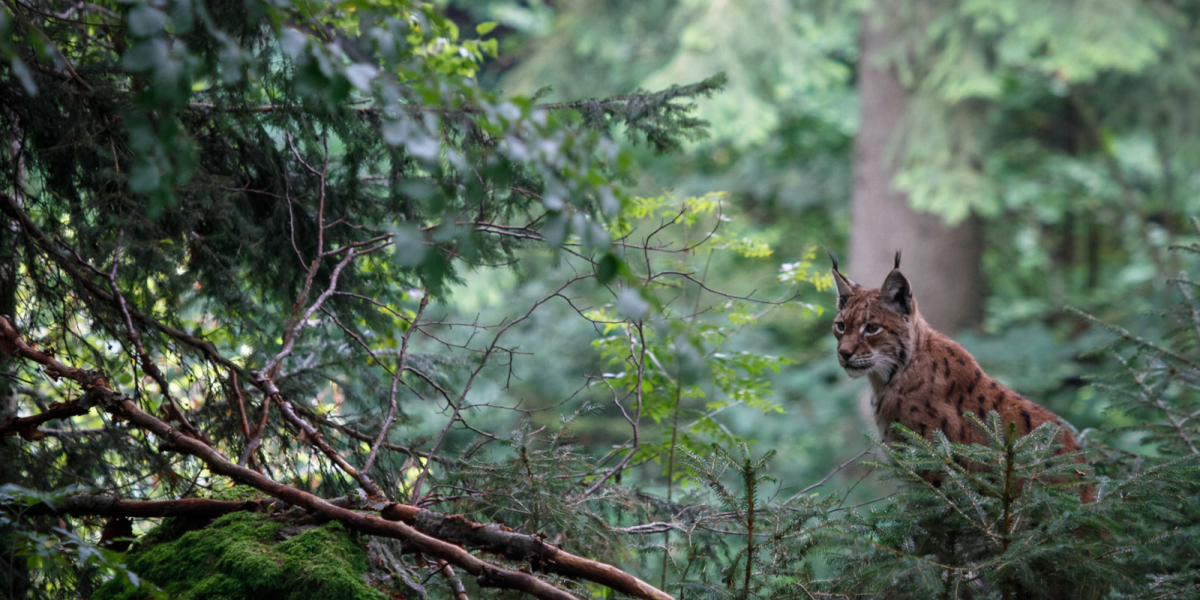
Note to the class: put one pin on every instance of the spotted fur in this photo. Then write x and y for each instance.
(921, 378)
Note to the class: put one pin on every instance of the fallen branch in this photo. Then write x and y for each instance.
(486, 574)
(492, 537)
(496, 538)
(434, 534)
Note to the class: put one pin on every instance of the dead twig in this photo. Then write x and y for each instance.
(149, 367)
(438, 536)
(636, 349)
(393, 407)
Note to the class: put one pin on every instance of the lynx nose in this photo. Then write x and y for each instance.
(845, 354)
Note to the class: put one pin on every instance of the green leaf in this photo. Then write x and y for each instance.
(360, 76)
(491, 47)
(145, 177)
(631, 304)
(145, 21)
(594, 236)
(416, 189)
(292, 42)
(607, 268)
(143, 56)
(556, 229)
(395, 132)
(23, 74)
(485, 28)
(409, 245)
(231, 63)
(182, 15)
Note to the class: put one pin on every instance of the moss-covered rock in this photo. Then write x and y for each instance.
(238, 493)
(247, 555)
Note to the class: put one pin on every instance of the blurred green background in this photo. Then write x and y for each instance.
(1036, 156)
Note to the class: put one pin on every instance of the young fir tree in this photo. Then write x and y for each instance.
(1000, 520)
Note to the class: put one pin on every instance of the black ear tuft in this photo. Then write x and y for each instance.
(897, 260)
(844, 286)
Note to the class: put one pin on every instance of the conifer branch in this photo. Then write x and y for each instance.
(1148, 397)
(271, 392)
(488, 575)
(1185, 290)
(363, 437)
(110, 506)
(493, 347)
(1138, 341)
(13, 209)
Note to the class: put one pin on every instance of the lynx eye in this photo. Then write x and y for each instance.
(872, 329)
(839, 327)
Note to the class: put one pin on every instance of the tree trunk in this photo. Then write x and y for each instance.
(943, 263)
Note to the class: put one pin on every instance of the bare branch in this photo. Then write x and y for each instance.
(149, 367)
(256, 435)
(826, 477)
(637, 348)
(311, 436)
(483, 360)
(391, 415)
(487, 574)
(431, 533)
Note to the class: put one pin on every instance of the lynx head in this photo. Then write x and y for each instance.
(874, 327)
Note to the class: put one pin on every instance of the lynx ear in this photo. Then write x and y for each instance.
(896, 293)
(845, 287)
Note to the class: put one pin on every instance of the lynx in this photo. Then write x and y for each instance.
(921, 378)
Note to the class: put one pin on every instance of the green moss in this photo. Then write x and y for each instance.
(244, 555)
(238, 493)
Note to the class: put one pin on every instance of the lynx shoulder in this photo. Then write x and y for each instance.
(921, 378)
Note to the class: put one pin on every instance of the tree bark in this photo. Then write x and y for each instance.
(942, 262)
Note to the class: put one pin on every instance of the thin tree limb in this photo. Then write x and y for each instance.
(487, 574)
